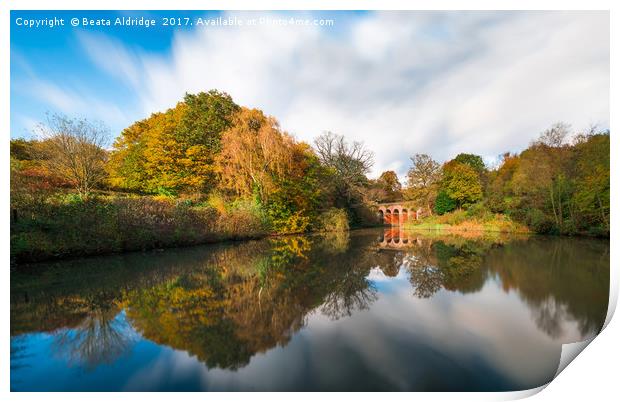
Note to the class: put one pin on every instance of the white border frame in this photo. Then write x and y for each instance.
(594, 373)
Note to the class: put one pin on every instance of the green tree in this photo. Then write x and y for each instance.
(207, 116)
(473, 161)
(499, 197)
(461, 183)
(443, 203)
(592, 188)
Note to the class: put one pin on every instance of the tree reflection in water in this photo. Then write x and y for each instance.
(560, 279)
(101, 337)
(226, 303)
(250, 300)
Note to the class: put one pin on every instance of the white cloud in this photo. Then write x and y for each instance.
(403, 83)
(112, 58)
(72, 102)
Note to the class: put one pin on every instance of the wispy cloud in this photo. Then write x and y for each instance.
(440, 83)
(74, 102)
(112, 57)
(30, 125)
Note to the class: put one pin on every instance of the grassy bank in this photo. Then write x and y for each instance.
(68, 226)
(65, 225)
(466, 222)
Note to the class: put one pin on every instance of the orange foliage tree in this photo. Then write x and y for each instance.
(258, 160)
(175, 150)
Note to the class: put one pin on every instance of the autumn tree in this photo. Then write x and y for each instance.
(542, 182)
(386, 188)
(390, 184)
(255, 153)
(499, 197)
(258, 160)
(423, 180)
(175, 150)
(554, 186)
(592, 181)
(73, 149)
(22, 149)
(126, 165)
(461, 183)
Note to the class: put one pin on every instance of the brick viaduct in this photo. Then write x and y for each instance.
(396, 214)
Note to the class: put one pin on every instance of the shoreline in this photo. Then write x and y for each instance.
(454, 229)
(441, 229)
(223, 241)
(457, 229)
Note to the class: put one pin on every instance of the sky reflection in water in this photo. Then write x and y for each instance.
(373, 310)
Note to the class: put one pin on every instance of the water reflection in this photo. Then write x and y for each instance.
(100, 338)
(226, 305)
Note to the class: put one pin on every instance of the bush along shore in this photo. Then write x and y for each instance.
(70, 227)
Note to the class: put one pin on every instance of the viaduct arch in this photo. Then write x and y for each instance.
(396, 214)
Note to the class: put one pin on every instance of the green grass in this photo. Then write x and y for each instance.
(462, 221)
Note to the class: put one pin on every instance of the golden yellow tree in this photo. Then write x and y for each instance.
(255, 154)
(174, 150)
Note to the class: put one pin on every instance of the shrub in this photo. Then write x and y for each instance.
(333, 220)
(443, 203)
(598, 231)
(166, 192)
(476, 210)
(217, 202)
(538, 221)
(243, 219)
(296, 222)
(569, 227)
(283, 218)
(480, 212)
(454, 218)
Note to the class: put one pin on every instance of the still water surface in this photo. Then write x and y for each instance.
(367, 310)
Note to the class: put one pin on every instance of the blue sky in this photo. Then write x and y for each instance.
(57, 57)
(401, 82)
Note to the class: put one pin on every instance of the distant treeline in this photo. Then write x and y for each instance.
(220, 162)
(553, 186)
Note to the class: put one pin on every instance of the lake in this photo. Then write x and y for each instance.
(377, 309)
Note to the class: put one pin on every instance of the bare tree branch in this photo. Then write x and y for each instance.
(74, 149)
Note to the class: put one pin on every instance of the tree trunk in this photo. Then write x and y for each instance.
(560, 209)
(555, 216)
(605, 220)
